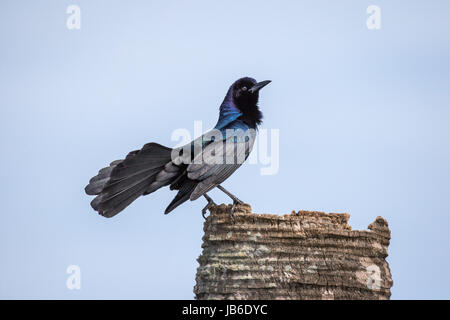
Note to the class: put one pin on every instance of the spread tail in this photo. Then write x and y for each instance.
(141, 172)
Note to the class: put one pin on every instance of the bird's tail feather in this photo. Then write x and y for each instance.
(125, 180)
(183, 195)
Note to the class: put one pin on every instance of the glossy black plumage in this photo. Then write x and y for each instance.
(154, 166)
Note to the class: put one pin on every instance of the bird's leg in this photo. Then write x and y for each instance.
(233, 197)
(228, 193)
(208, 205)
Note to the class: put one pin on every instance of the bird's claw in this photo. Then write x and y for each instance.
(208, 206)
(236, 201)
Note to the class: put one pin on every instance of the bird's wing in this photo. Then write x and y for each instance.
(219, 160)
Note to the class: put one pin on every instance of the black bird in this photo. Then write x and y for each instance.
(193, 169)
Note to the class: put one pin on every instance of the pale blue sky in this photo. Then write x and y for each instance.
(363, 118)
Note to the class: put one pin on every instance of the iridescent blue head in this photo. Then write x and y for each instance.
(241, 101)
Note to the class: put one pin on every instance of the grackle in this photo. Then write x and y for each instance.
(193, 169)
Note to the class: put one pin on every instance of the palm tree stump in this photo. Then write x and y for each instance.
(302, 255)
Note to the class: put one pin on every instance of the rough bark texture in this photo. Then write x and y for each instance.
(303, 255)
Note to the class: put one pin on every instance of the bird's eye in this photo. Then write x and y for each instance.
(244, 88)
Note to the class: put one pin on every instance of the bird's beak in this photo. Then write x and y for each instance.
(258, 86)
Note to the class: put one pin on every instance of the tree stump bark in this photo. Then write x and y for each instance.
(302, 255)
